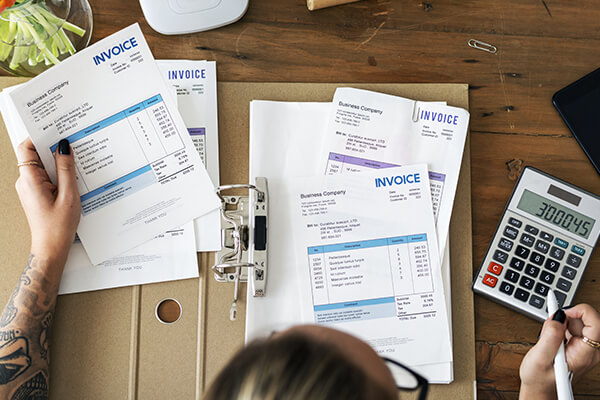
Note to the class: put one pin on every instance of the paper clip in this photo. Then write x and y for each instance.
(479, 45)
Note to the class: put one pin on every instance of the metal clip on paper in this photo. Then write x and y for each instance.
(243, 254)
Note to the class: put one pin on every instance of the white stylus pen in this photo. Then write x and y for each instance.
(561, 370)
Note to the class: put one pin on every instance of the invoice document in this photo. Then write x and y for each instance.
(283, 139)
(369, 130)
(138, 172)
(369, 263)
(195, 83)
(169, 256)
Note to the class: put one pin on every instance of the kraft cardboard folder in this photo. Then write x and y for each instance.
(109, 344)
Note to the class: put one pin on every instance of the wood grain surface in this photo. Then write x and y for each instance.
(542, 46)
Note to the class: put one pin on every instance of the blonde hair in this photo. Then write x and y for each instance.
(292, 367)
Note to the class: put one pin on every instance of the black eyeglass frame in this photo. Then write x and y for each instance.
(422, 383)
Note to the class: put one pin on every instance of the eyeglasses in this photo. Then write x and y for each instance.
(407, 379)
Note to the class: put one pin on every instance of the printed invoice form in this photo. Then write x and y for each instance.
(369, 274)
(137, 170)
(369, 130)
(196, 86)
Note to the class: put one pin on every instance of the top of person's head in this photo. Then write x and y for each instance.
(294, 366)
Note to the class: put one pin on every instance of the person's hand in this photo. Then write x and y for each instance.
(582, 321)
(537, 367)
(52, 212)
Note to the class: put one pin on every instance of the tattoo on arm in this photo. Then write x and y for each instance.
(25, 330)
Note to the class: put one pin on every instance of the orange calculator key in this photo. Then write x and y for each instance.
(495, 268)
(490, 280)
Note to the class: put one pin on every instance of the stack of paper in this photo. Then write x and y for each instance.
(366, 245)
(141, 177)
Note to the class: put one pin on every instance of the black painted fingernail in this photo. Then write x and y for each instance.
(540, 333)
(64, 147)
(567, 307)
(559, 316)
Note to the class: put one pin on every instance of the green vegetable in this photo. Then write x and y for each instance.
(34, 34)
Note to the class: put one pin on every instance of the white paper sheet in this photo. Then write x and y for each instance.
(283, 139)
(169, 256)
(138, 172)
(369, 263)
(196, 86)
(369, 130)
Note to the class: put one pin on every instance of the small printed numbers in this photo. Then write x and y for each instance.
(506, 288)
(522, 252)
(537, 258)
(551, 265)
(517, 264)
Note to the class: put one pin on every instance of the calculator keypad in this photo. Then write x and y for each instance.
(528, 262)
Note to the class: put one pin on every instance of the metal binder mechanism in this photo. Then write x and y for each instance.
(243, 254)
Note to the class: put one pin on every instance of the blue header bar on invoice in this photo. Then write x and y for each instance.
(365, 244)
(116, 182)
(351, 304)
(111, 120)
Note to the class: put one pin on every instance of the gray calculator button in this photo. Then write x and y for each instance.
(515, 222)
(569, 273)
(526, 282)
(552, 265)
(537, 258)
(536, 301)
(521, 294)
(541, 289)
(527, 240)
(500, 256)
(546, 236)
(561, 297)
(573, 260)
(531, 229)
(563, 284)
(532, 270)
(511, 276)
(505, 244)
(517, 263)
(511, 232)
(506, 288)
(547, 277)
(557, 253)
(522, 252)
(542, 246)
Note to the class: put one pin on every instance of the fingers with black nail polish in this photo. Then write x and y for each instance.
(559, 316)
(64, 148)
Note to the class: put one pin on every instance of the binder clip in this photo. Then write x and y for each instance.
(243, 254)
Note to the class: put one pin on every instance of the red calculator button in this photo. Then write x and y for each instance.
(490, 280)
(495, 268)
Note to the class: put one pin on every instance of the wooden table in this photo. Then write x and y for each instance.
(542, 46)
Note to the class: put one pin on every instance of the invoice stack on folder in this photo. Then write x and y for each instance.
(370, 217)
(138, 172)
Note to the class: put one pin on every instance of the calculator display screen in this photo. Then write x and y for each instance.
(556, 214)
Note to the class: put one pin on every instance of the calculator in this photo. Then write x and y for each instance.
(544, 241)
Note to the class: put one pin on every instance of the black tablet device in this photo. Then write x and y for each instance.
(579, 106)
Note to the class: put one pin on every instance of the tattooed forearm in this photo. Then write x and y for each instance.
(25, 328)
